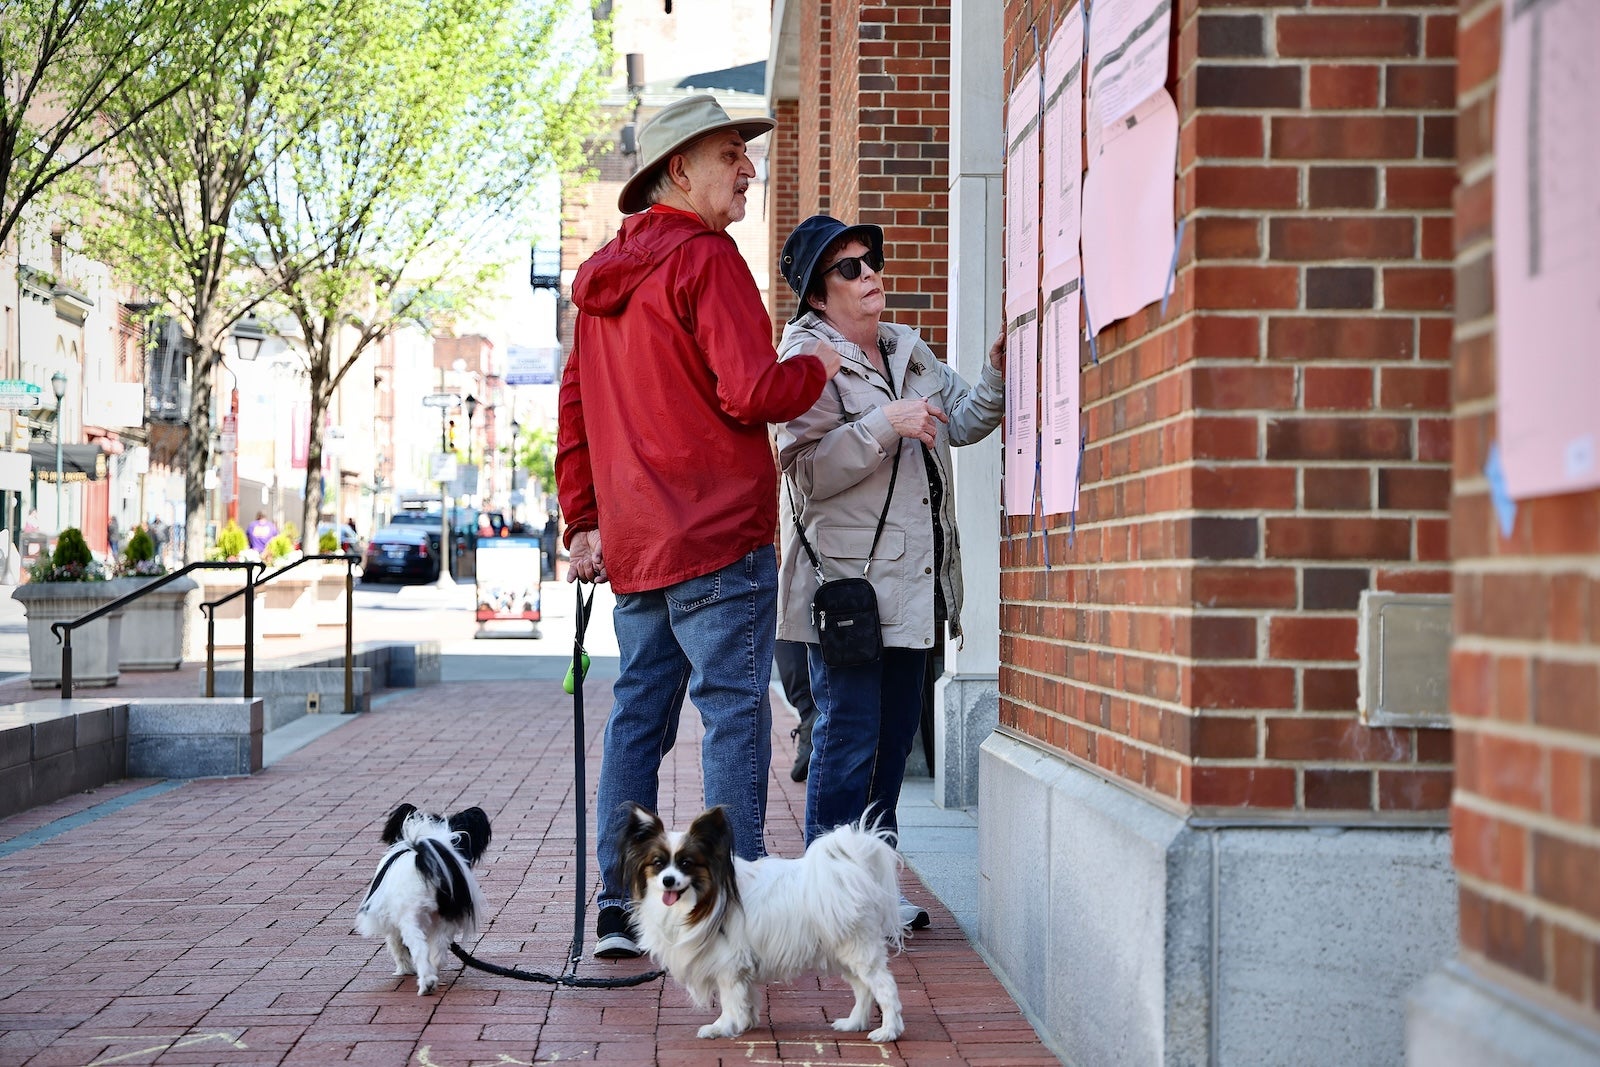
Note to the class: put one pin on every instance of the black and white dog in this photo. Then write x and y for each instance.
(722, 925)
(423, 895)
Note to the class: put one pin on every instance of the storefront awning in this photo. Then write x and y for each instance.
(79, 463)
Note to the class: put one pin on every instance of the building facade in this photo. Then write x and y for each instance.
(1247, 688)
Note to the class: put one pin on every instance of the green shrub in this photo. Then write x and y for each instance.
(71, 562)
(139, 557)
(231, 540)
(279, 547)
(71, 549)
(328, 542)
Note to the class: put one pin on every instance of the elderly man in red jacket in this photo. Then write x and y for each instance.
(668, 481)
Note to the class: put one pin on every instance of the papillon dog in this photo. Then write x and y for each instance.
(423, 895)
(721, 925)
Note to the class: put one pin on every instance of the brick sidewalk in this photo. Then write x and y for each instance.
(211, 923)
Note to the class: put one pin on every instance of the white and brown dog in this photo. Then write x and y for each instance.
(722, 925)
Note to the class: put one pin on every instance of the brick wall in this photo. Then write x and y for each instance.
(1525, 678)
(815, 109)
(785, 205)
(844, 98)
(1276, 444)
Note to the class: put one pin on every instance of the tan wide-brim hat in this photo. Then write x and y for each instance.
(672, 129)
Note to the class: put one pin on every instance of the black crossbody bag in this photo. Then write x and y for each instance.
(845, 610)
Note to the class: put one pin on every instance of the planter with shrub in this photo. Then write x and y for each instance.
(153, 625)
(67, 585)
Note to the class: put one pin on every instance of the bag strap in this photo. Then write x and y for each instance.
(794, 513)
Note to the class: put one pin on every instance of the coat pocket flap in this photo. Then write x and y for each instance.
(855, 542)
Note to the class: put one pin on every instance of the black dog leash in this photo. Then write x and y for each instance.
(580, 883)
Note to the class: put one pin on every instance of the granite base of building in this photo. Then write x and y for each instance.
(1134, 936)
(966, 708)
(1460, 1018)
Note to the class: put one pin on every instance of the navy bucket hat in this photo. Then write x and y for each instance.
(805, 246)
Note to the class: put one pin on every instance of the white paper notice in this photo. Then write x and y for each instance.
(1022, 396)
(1127, 55)
(1022, 196)
(1128, 213)
(1063, 152)
(1059, 447)
(1547, 247)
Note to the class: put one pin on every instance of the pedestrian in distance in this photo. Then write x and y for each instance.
(869, 469)
(667, 479)
(260, 533)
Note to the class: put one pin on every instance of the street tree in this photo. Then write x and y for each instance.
(168, 216)
(64, 63)
(446, 119)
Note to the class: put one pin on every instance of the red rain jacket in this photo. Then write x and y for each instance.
(665, 401)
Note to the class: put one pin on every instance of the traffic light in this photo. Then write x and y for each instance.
(450, 435)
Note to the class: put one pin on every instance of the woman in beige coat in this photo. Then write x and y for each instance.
(891, 398)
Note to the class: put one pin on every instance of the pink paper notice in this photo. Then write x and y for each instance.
(1060, 440)
(1022, 196)
(1547, 248)
(1128, 213)
(1022, 397)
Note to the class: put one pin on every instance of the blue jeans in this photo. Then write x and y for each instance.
(710, 638)
(867, 718)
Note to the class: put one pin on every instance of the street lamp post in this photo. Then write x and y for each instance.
(58, 384)
(247, 338)
(471, 404)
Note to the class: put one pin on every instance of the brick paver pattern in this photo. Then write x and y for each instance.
(211, 924)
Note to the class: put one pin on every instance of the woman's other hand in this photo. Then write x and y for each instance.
(997, 353)
(916, 418)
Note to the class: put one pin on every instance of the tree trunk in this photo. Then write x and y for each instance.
(197, 453)
(313, 493)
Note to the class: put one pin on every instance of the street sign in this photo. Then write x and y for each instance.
(20, 401)
(442, 467)
(442, 400)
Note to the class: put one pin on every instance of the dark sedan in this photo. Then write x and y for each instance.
(404, 553)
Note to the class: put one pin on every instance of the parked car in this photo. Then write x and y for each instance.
(404, 553)
(348, 541)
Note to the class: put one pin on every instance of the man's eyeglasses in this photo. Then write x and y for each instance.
(849, 268)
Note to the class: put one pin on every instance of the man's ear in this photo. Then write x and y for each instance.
(678, 171)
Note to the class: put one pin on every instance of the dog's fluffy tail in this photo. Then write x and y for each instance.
(863, 851)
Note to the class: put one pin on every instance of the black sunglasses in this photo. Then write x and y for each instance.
(849, 268)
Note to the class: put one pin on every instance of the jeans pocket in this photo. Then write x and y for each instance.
(696, 592)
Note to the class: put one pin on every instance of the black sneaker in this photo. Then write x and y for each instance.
(614, 936)
(913, 917)
(802, 748)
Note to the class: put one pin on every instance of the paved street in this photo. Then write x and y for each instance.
(209, 921)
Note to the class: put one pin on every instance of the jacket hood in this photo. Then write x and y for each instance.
(608, 278)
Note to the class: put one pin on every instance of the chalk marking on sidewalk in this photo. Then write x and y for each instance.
(176, 1041)
(39, 835)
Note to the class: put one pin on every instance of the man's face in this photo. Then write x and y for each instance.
(719, 172)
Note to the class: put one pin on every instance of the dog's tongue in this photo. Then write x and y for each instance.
(669, 897)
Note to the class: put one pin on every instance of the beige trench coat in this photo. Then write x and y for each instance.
(837, 460)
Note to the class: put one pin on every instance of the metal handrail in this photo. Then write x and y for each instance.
(63, 630)
(209, 610)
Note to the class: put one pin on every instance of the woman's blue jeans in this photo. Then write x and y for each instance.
(710, 638)
(867, 718)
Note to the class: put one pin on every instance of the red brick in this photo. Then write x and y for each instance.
(1566, 872)
(1418, 288)
(1246, 287)
(1341, 237)
(1415, 388)
(1248, 386)
(1308, 737)
(1339, 438)
(1246, 186)
(1431, 86)
(1333, 790)
(1243, 787)
(1329, 689)
(1337, 389)
(1213, 686)
(1489, 848)
(1344, 88)
(1328, 187)
(1333, 337)
(1310, 637)
(1337, 488)
(1240, 488)
(1243, 587)
(1381, 36)
(1511, 771)
(1223, 737)
(1226, 337)
(1224, 136)
(1337, 538)
(1344, 137)
(1566, 696)
(1424, 188)
(1227, 237)
(1414, 790)
(1414, 488)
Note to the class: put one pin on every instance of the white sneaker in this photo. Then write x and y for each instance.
(913, 917)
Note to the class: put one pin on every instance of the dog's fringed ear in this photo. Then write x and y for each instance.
(715, 837)
(397, 822)
(638, 830)
(471, 830)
